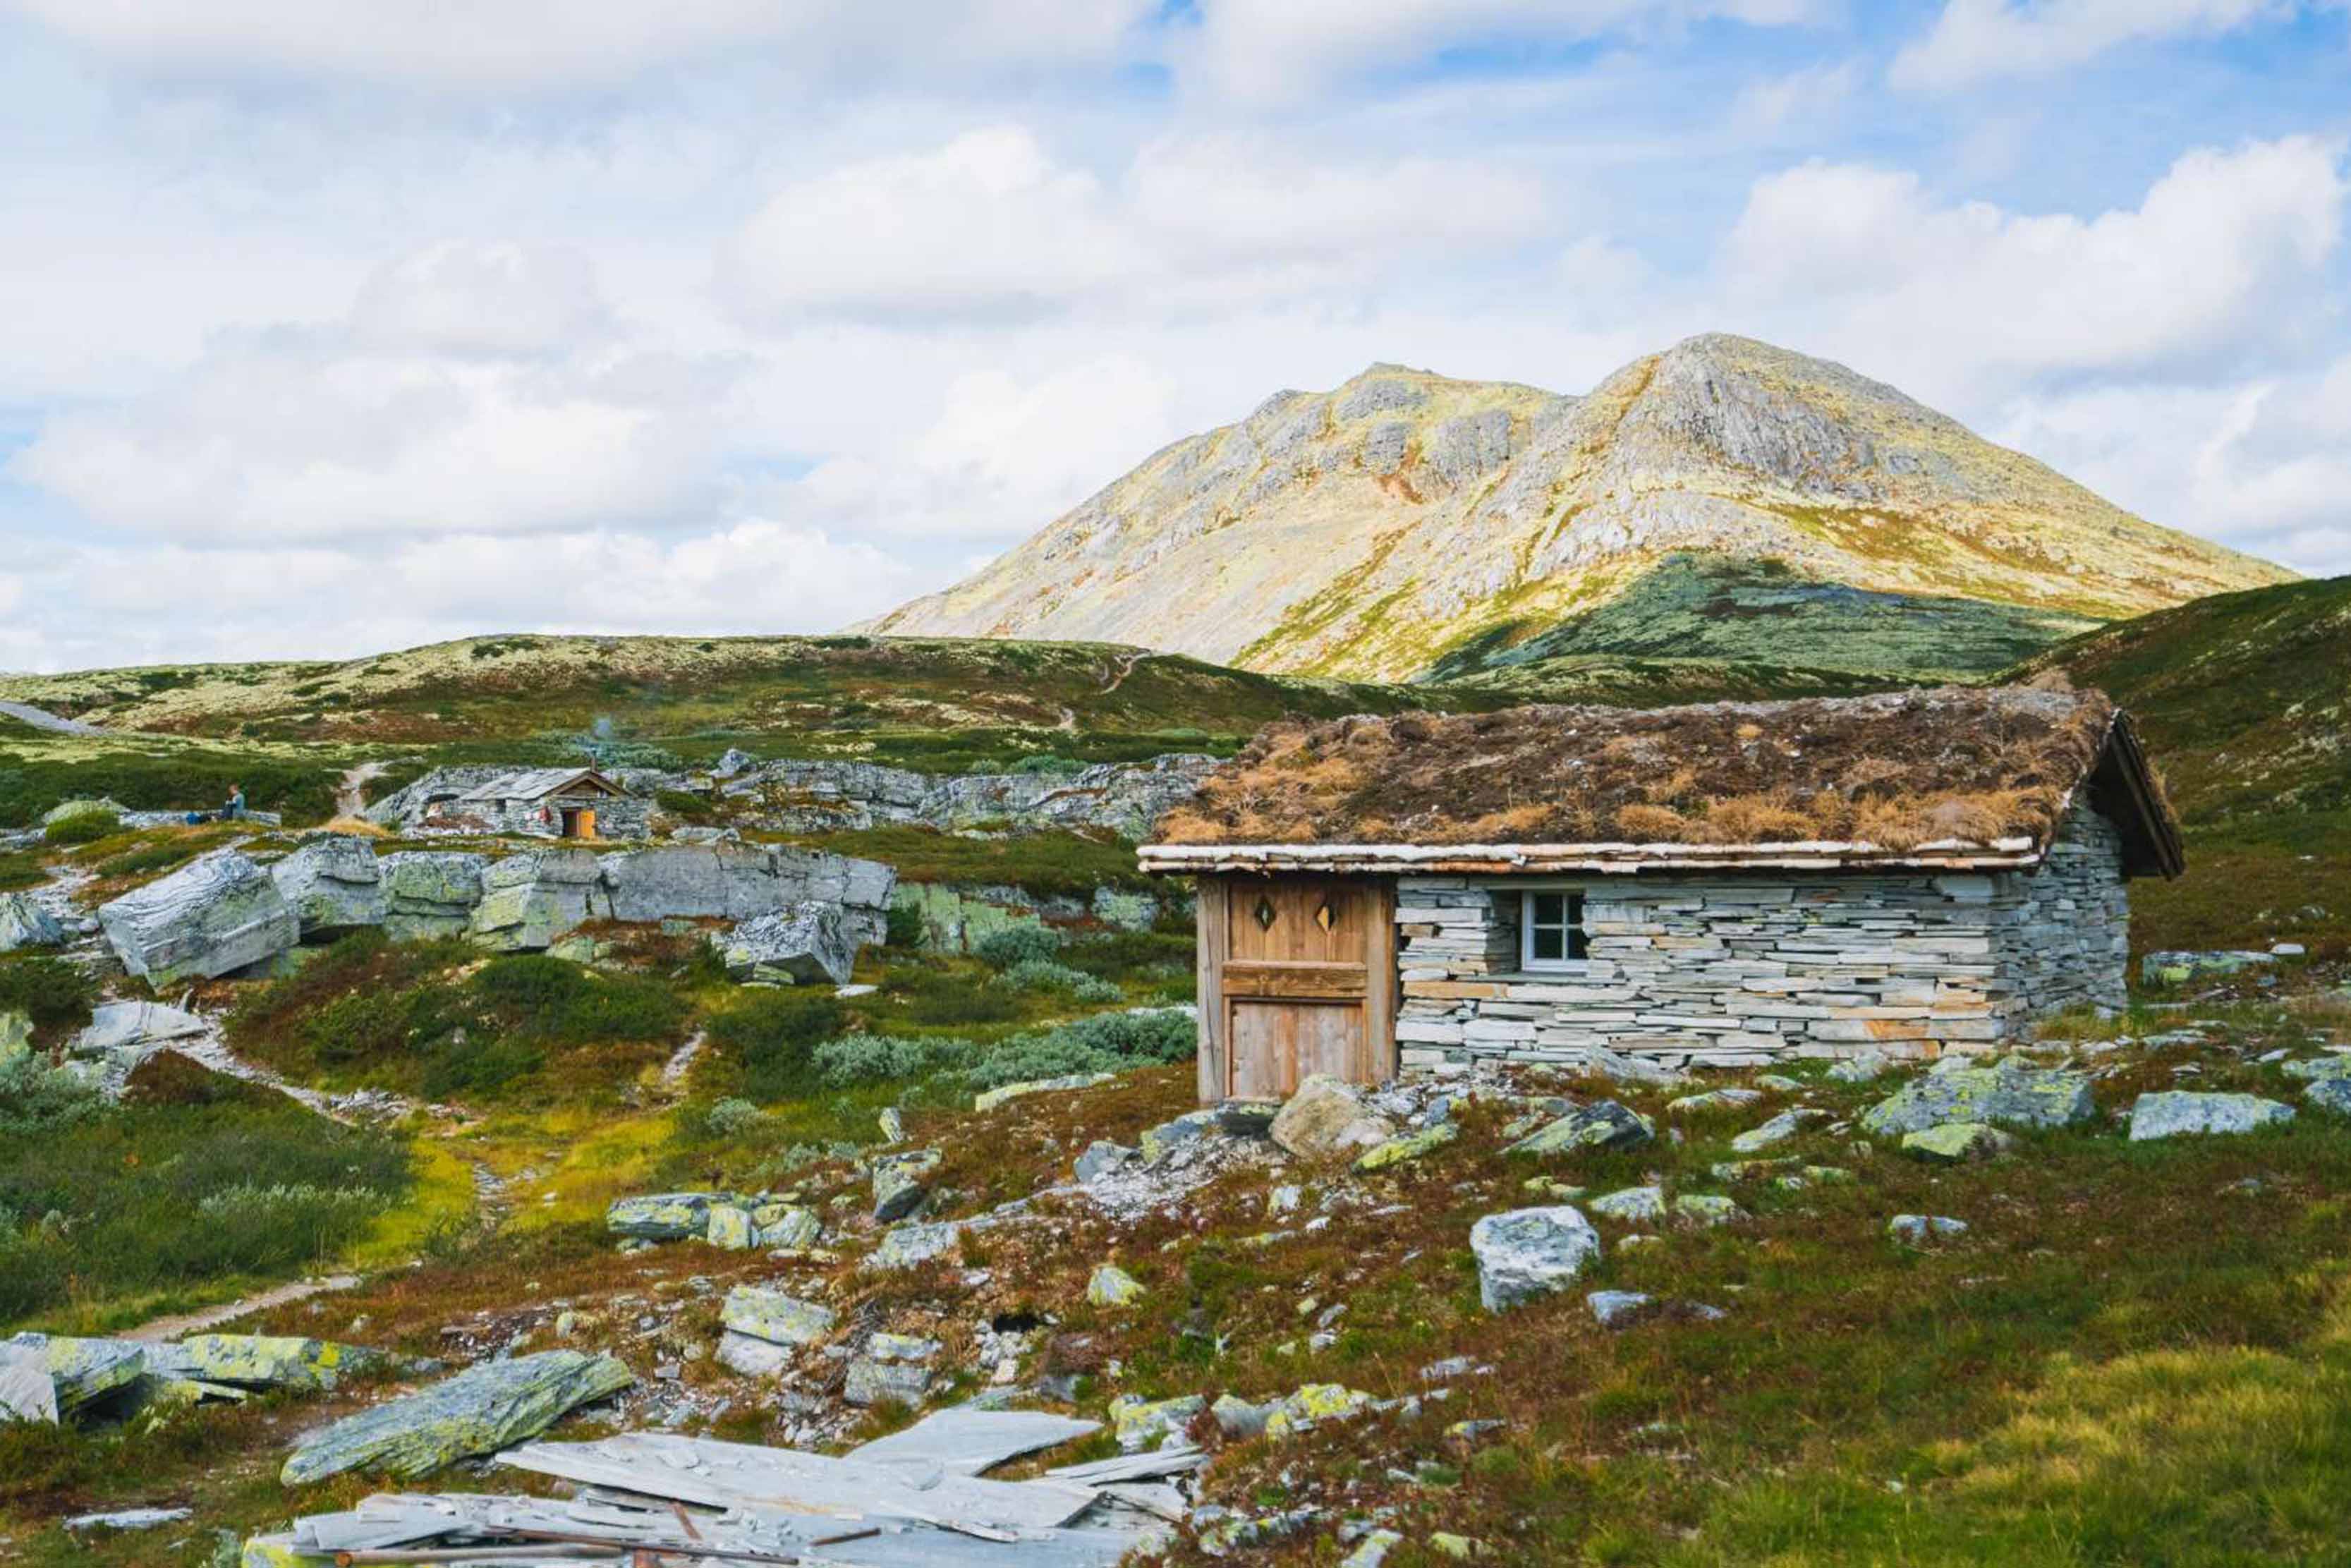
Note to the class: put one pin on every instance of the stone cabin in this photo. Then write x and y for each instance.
(1727, 884)
(539, 802)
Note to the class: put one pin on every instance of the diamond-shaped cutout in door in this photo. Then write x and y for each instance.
(1264, 913)
(1326, 917)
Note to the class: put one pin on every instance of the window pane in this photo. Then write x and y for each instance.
(1549, 942)
(1549, 909)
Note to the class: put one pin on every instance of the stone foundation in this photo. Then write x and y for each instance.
(1739, 971)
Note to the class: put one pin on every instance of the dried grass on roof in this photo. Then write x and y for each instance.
(1897, 770)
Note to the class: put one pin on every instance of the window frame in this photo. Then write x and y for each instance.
(1575, 944)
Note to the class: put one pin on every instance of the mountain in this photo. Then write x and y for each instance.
(1408, 524)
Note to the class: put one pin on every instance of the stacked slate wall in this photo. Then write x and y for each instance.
(1748, 968)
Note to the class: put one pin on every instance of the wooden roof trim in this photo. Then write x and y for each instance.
(2124, 787)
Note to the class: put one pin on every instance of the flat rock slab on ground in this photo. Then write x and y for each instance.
(1603, 1125)
(966, 1441)
(481, 1410)
(2007, 1093)
(2170, 1114)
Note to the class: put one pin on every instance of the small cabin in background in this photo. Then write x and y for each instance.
(1725, 884)
(540, 802)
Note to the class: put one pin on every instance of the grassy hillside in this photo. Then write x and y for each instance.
(1763, 615)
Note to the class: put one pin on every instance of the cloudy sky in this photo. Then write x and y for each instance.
(327, 326)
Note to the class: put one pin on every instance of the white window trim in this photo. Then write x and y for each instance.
(1528, 962)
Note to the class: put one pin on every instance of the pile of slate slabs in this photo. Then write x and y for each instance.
(914, 1499)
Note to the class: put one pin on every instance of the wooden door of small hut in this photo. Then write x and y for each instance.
(1297, 977)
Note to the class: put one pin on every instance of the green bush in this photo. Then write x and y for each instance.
(557, 1002)
(732, 1117)
(49, 991)
(860, 1059)
(20, 869)
(1045, 975)
(904, 928)
(1107, 1042)
(685, 806)
(1045, 763)
(81, 828)
(768, 1036)
(1017, 944)
(37, 1097)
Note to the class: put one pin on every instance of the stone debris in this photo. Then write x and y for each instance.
(2317, 1069)
(1713, 1100)
(2169, 1113)
(1139, 1423)
(1103, 1158)
(2007, 1093)
(728, 1220)
(218, 914)
(1373, 1550)
(907, 1245)
(1113, 1286)
(2329, 1094)
(1316, 1404)
(1237, 1418)
(1633, 1205)
(1409, 1148)
(1918, 1229)
(901, 1183)
(1778, 1130)
(764, 1313)
(1525, 1254)
(2173, 968)
(1618, 1308)
(480, 1410)
(1327, 1118)
(54, 1377)
(967, 1440)
(1864, 1067)
(1955, 1143)
(1603, 1125)
(807, 943)
(121, 1035)
(129, 1519)
(988, 1099)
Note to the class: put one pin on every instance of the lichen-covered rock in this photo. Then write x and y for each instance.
(2170, 1113)
(1954, 1143)
(219, 912)
(430, 893)
(1139, 1423)
(875, 1382)
(784, 1227)
(1862, 1066)
(1410, 1147)
(1316, 1404)
(662, 1217)
(1237, 1418)
(1372, 1550)
(729, 1228)
(1327, 1118)
(529, 900)
(1113, 1286)
(2007, 1093)
(2179, 968)
(25, 924)
(1102, 1158)
(2327, 1093)
(779, 1318)
(261, 1361)
(1616, 1309)
(1633, 1205)
(1918, 1229)
(2318, 1069)
(1524, 1254)
(989, 1099)
(1778, 1130)
(901, 1182)
(907, 1245)
(804, 943)
(479, 1411)
(1158, 1143)
(16, 1037)
(1603, 1125)
(1713, 1100)
(333, 883)
(1706, 1209)
(82, 1371)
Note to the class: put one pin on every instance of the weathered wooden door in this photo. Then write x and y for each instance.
(1298, 976)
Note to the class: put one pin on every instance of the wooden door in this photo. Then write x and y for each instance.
(1298, 976)
(583, 824)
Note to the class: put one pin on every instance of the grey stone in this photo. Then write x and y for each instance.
(333, 883)
(1603, 1125)
(1633, 1205)
(1326, 1118)
(1861, 1068)
(906, 1244)
(2176, 968)
(25, 924)
(530, 900)
(430, 893)
(901, 1182)
(1713, 1100)
(779, 1318)
(486, 1408)
(874, 1382)
(2334, 1064)
(1918, 1229)
(1237, 1418)
(1616, 1309)
(1779, 1129)
(216, 913)
(1102, 1158)
(2169, 1114)
(2008, 1094)
(662, 1217)
(1955, 1143)
(806, 943)
(1526, 1253)
(2329, 1094)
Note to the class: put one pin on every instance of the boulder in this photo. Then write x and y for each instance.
(2179, 968)
(332, 882)
(1918, 1229)
(1525, 1254)
(529, 900)
(1315, 1404)
(1140, 1424)
(710, 882)
(783, 1226)
(2007, 1093)
(430, 893)
(1103, 1158)
(1862, 1067)
(989, 1099)
(1633, 1205)
(1779, 1129)
(2327, 1093)
(1327, 1117)
(82, 1371)
(1603, 1125)
(2169, 1114)
(219, 912)
(2317, 1069)
(662, 1217)
(806, 943)
(1409, 1148)
(1618, 1308)
(901, 1182)
(906, 1246)
(1237, 1418)
(25, 924)
(121, 1035)
(1158, 1143)
(486, 1407)
(261, 1361)
(1713, 1100)
(767, 1313)
(1955, 1143)
(1706, 1209)
(1113, 1286)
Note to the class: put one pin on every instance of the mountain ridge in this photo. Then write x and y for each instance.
(1371, 530)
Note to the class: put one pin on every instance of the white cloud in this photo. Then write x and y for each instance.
(1277, 49)
(530, 44)
(1973, 40)
(472, 389)
(1778, 103)
(991, 228)
(2226, 256)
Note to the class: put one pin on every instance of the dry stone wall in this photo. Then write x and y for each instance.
(1743, 970)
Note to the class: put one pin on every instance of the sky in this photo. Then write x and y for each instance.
(334, 326)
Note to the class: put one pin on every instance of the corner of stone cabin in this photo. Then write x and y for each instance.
(1742, 971)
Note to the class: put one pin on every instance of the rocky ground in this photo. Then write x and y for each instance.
(2083, 1303)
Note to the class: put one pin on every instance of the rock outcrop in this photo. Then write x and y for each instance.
(806, 943)
(486, 1408)
(215, 914)
(1123, 798)
(25, 924)
(334, 883)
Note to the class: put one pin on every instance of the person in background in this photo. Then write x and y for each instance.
(235, 807)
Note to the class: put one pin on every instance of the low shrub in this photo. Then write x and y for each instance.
(50, 991)
(1107, 1042)
(732, 1117)
(905, 927)
(20, 869)
(81, 828)
(37, 1098)
(1045, 975)
(685, 806)
(768, 1036)
(860, 1059)
(1017, 944)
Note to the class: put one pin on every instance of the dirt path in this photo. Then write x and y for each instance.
(1126, 663)
(350, 796)
(228, 1311)
(41, 719)
(681, 1063)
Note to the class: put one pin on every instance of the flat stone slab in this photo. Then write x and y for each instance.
(2171, 1113)
(481, 1410)
(1603, 1125)
(966, 1441)
(2007, 1093)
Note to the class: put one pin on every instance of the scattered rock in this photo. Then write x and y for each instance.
(775, 1316)
(1139, 1423)
(662, 1217)
(1102, 1158)
(2329, 1094)
(1862, 1066)
(1113, 1286)
(1603, 1125)
(988, 1099)
(1633, 1205)
(1956, 1142)
(1524, 1254)
(1713, 1100)
(901, 1182)
(484, 1409)
(806, 942)
(2169, 1114)
(1706, 1209)
(1779, 1129)
(25, 924)
(1158, 1143)
(261, 1361)
(1410, 1147)
(906, 1246)
(1316, 1404)
(1326, 1118)
(2179, 968)
(1918, 1229)
(1237, 1418)
(2317, 1069)
(2007, 1093)
(1373, 1550)
(872, 1381)
(128, 1518)
(1616, 1309)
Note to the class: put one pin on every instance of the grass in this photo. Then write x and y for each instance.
(177, 779)
(1046, 862)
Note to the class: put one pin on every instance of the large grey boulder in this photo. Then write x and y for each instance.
(862, 888)
(529, 900)
(486, 1407)
(2332, 1094)
(2170, 1113)
(807, 942)
(1525, 1254)
(25, 924)
(218, 913)
(430, 893)
(2006, 1093)
(727, 881)
(333, 883)
(662, 1216)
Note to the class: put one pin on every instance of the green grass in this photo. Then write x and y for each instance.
(54, 994)
(180, 779)
(20, 869)
(1046, 862)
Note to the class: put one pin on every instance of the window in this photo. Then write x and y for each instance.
(1551, 930)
